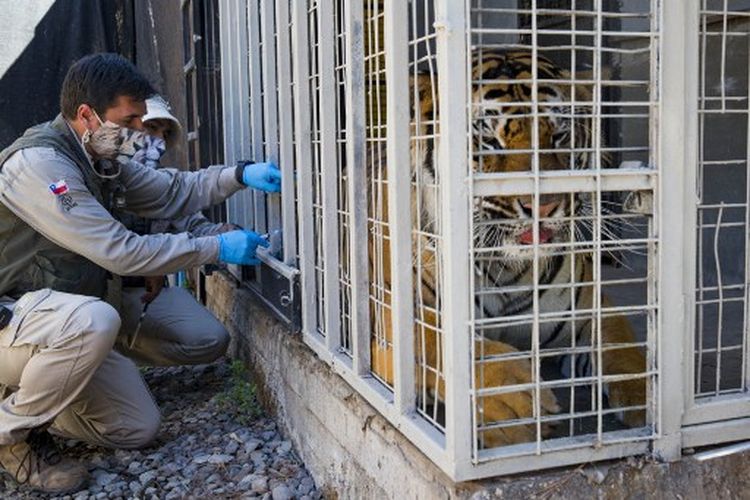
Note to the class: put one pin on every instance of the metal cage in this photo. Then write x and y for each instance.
(517, 227)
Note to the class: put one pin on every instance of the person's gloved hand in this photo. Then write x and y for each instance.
(263, 176)
(238, 247)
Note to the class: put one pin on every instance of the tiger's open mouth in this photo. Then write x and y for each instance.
(527, 237)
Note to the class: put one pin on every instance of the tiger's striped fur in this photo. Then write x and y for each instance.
(502, 93)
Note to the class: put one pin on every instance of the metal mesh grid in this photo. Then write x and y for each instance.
(723, 192)
(235, 122)
(379, 242)
(314, 82)
(345, 286)
(288, 24)
(564, 278)
(257, 107)
(426, 224)
(282, 209)
(281, 96)
(269, 95)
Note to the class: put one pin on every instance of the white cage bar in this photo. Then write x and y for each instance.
(498, 243)
(257, 107)
(286, 129)
(357, 186)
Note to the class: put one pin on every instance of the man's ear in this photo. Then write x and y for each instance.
(85, 114)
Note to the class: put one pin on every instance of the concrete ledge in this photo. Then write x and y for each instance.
(353, 452)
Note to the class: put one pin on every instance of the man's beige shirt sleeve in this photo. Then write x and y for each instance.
(76, 221)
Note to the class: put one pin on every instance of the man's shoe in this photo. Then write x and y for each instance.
(37, 463)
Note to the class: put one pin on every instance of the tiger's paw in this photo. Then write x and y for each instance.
(517, 405)
(627, 394)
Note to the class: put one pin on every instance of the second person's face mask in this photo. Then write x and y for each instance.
(148, 149)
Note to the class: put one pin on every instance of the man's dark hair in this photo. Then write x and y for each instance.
(98, 80)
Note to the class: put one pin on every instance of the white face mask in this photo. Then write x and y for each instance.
(104, 143)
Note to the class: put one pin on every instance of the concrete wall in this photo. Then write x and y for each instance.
(348, 447)
(353, 452)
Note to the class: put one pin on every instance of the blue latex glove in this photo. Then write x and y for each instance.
(263, 176)
(238, 247)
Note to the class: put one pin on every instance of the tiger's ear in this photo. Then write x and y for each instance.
(426, 92)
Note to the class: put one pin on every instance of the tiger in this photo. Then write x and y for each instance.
(506, 77)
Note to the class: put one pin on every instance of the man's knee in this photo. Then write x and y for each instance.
(148, 429)
(207, 348)
(140, 432)
(212, 344)
(100, 322)
(221, 342)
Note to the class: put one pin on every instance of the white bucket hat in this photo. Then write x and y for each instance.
(158, 109)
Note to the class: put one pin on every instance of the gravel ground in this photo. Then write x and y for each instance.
(207, 448)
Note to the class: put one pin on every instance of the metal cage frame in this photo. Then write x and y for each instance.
(267, 49)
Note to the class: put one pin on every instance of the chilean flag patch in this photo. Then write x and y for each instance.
(59, 188)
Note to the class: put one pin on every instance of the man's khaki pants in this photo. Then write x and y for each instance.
(57, 357)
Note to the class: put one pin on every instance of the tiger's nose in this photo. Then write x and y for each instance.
(544, 210)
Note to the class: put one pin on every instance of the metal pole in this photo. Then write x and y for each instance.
(327, 112)
(676, 160)
(357, 186)
(302, 125)
(399, 200)
(453, 167)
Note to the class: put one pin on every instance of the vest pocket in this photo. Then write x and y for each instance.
(63, 277)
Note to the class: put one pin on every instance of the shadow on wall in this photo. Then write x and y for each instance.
(30, 88)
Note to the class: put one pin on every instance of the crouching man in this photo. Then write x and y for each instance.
(61, 255)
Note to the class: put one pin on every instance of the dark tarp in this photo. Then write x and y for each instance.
(30, 89)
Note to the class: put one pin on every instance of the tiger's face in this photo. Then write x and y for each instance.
(504, 142)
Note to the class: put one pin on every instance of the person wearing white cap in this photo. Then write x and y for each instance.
(174, 328)
(159, 121)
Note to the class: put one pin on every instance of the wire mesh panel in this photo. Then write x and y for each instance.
(720, 347)
(317, 176)
(380, 266)
(327, 154)
(426, 219)
(344, 216)
(721, 295)
(235, 95)
(564, 126)
(269, 96)
(286, 154)
(257, 137)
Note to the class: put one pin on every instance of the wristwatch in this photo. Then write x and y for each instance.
(240, 169)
